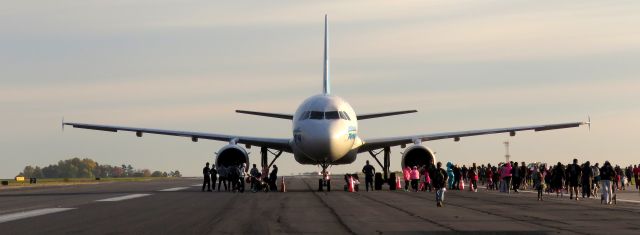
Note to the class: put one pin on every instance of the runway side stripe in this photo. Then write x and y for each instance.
(173, 189)
(31, 213)
(624, 200)
(122, 198)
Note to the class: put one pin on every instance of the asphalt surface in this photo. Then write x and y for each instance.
(142, 208)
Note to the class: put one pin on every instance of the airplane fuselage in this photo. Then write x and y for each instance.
(325, 131)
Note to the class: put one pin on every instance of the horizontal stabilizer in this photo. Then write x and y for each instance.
(377, 115)
(273, 115)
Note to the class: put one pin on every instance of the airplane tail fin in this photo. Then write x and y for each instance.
(326, 82)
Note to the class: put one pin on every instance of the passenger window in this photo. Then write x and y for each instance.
(316, 115)
(332, 115)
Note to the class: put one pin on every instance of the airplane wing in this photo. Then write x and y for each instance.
(377, 115)
(378, 143)
(273, 143)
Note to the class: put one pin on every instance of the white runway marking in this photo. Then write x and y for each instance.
(173, 189)
(32, 213)
(624, 200)
(122, 198)
(196, 185)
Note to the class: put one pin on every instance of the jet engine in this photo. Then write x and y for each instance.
(418, 155)
(232, 155)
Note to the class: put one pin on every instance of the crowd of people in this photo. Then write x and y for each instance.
(576, 179)
(234, 178)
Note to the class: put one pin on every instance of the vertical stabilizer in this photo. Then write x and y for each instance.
(326, 81)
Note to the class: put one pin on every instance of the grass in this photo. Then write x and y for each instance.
(71, 181)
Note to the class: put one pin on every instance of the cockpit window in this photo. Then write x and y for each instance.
(342, 115)
(331, 115)
(346, 116)
(304, 116)
(316, 115)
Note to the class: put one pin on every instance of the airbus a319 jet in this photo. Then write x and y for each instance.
(325, 133)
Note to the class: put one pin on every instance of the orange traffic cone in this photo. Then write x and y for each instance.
(283, 186)
(398, 185)
(351, 189)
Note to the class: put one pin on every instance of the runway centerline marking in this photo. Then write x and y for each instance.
(196, 185)
(122, 198)
(31, 213)
(173, 189)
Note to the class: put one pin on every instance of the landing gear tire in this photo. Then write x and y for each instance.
(320, 185)
(328, 185)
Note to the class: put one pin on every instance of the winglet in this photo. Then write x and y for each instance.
(326, 81)
(62, 124)
(589, 122)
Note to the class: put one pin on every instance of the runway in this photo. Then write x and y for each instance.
(179, 207)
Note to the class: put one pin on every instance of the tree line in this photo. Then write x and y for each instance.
(88, 168)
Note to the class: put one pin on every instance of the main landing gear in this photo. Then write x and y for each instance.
(385, 166)
(325, 181)
(264, 159)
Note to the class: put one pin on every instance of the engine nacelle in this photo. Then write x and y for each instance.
(418, 155)
(232, 155)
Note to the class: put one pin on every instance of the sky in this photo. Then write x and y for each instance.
(187, 65)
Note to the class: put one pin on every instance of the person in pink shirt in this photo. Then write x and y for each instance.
(506, 178)
(406, 174)
(415, 176)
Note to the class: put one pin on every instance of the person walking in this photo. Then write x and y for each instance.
(558, 179)
(506, 178)
(450, 175)
(473, 177)
(587, 179)
(596, 180)
(255, 178)
(406, 174)
(606, 176)
(273, 178)
(214, 176)
(415, 176)
(457, 175)
(574, 171)
(207, 178)
(222, 174)
(369, 171)
(439, 180)
(636, 176)
(516, 177)
(538, 180)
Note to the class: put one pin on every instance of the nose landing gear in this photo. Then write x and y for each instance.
(325, 181)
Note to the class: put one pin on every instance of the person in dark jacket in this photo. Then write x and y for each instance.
(369, 171)
(607, 174)
(515, 177)
(573, 173)
(587, 178)
(214, 176)
(439, 183)
(273, 178)
(207, 178)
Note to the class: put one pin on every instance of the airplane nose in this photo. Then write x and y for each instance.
(328, 143)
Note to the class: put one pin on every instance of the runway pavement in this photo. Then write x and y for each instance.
(178, 207)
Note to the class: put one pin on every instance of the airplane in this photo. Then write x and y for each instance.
(325, 133)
